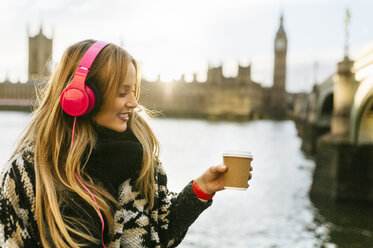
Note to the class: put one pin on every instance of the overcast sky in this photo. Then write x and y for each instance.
(172, 37)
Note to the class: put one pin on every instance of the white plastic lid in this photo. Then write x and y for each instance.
(241, 154)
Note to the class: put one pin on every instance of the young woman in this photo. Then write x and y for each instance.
(86, 172)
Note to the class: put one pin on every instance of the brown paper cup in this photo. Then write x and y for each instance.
(238, 164)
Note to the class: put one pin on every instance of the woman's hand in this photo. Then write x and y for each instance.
(213, 179)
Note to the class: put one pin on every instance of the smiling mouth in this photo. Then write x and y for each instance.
(123, 116)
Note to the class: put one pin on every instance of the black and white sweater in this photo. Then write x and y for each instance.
(135, 224)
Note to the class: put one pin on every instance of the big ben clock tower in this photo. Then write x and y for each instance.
(278, 91)
(40, 53)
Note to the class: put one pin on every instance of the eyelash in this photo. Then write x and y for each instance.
(124, 94)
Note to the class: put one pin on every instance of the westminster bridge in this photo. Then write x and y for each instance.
(335, 122)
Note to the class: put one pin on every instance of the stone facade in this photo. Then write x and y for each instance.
(344, 171)
(217, 98)
(345, 87)
(40, 56)
(17, 96)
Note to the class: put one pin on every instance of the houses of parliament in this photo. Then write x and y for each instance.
(219, 97)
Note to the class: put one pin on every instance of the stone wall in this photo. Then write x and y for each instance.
(344, 171)
(236, 101)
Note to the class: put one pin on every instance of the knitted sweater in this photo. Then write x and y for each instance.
(135, 225)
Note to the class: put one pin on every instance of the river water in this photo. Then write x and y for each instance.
(275, 212)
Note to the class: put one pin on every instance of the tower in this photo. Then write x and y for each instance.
(281, 42)
(244, 75)
(345, 87)
(40, 54)
(215, 75)
(278, 91)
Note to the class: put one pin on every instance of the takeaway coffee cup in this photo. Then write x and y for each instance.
(237, 175)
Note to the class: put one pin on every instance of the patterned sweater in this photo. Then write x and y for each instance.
(135, 225)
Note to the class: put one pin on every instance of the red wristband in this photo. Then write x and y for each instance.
(200, 194)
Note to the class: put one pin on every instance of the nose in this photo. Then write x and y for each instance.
(131, 103)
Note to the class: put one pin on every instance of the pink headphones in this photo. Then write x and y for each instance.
(77, 98)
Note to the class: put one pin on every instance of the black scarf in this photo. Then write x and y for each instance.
(117, 157)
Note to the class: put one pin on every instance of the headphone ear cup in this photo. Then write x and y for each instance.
(95, 99)
(74, 101)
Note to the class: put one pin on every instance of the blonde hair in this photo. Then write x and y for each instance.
(56, 163)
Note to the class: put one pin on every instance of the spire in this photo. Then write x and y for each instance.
(315, 70)
(7, 80)
(195, 77)
(281, 29)
(347, 22)
(53, 30)
(121, 41)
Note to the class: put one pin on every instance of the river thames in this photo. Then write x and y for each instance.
(275, 212)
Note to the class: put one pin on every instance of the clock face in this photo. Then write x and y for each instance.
(280, 44)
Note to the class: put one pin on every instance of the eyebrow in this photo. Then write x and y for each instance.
(127, 87)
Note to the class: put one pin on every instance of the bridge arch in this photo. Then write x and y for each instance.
(326, 110)
(325, 103)
(361, 123)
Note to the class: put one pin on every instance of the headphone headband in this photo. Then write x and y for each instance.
(87, 61)
(92, 53)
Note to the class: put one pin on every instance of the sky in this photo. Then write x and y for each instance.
(174, 37)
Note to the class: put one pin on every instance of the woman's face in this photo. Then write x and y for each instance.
(115, 114)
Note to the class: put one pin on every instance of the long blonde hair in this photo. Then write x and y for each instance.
(56, 163)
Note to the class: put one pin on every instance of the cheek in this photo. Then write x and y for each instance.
(108, 112)
(114, 106)
(100, 117)
(103, 115)
(118, 104)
